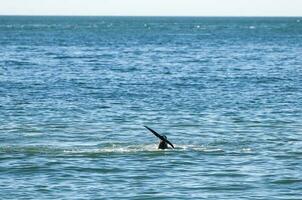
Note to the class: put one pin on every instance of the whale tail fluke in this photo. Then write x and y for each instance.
(163, 138)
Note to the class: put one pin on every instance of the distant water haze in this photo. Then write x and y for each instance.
(153, 8)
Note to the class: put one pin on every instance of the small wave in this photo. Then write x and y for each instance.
(287, 181)
(113, 148)
(30, 149)
(37, 149)
(197, 148)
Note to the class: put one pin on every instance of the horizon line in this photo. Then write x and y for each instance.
(59, 15)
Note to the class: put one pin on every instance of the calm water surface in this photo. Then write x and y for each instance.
(75, 93)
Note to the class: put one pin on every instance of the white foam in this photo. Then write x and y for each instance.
(116, 149)
(32, 134)
(141, 148)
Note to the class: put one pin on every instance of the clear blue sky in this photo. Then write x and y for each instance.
(153, 7)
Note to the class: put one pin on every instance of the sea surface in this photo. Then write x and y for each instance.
(76, 93)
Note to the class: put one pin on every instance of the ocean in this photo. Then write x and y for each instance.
(76, 93)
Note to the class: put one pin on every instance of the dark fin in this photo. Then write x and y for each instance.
(159, 136)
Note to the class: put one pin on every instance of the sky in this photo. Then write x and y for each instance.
(153, 7)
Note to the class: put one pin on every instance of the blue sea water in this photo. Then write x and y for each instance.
(75, 93)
